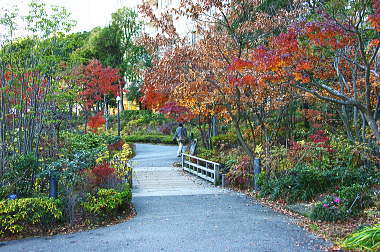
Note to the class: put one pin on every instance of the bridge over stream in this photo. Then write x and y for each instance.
(179, 212)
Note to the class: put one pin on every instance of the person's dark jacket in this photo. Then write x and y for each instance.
(180, 134)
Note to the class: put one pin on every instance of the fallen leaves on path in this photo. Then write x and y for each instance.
(333, 232)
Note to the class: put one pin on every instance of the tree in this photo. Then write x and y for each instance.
(98, 83)
(133, 57)
(196, 77)
(334, 58)
(28, 78)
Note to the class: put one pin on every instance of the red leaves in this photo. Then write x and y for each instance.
(375, 18)
(290, 57)
(96, 121)
(116, 146)
(325, 34)
(321, 140)
(239, 64)
(152, 98)
(103, 170)
(7, 75)
(173, 110)
(98, 82)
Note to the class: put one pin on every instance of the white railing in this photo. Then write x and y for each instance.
(203, 168)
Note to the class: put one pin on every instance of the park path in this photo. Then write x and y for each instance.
(177, 212)
(154, 174)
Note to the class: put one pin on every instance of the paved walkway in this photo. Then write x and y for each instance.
(154, 174)
(177, 212)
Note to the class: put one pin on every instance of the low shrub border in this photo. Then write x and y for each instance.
(18, 214)
(156, 139)
(96, 204)
(106, 203)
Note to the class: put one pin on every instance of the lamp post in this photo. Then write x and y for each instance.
(118, 114)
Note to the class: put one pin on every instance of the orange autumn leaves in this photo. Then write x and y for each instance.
(375, 18)
(296, 56)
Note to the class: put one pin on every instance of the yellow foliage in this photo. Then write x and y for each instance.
(120, 160)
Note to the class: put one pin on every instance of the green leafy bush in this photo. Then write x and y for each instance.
(367, 238)
(224, 141)
(68, 169)
(20, 177)
(301, 183)
(330, 209)
(304, 183)
(355, 198)
(145, 116)
(107, 203)
(149, 139)
(207, 154)
(344, 176)
(19, 214)
(80, 142)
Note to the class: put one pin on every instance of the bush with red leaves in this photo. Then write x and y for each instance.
(96, 121)
(116, 146)
(102, 171)
(239, 175)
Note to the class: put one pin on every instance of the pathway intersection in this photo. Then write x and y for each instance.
(178, 212)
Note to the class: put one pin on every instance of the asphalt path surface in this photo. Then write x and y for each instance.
(182, 213)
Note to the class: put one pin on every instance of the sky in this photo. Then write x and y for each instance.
(87, 13)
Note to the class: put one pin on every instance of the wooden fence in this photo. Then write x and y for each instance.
(203, 168)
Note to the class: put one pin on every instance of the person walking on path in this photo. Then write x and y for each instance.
(181, 137)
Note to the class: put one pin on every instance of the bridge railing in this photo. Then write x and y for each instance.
(203, 168)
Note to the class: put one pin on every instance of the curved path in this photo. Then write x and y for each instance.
(177, 212)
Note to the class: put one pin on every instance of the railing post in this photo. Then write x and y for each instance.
(256, 173)
(183, 160)
(53, 193)
(216, 174)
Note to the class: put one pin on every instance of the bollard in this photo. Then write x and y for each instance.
(223, 180)
(256, 173)
(53, 193)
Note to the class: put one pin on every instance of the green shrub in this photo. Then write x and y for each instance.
(20, 177)
(330, 209)
(224, 141)
(355, 198)
(304, 183)
(149, 139)
(298, 184)
(107, 203)
(344, 176)
(19, 214)
(80, 142)
(207, 154)
(69, 169)
(367, 238)
(146, 116)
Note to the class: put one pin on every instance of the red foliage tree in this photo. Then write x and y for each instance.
(96, 121)
(99, 81)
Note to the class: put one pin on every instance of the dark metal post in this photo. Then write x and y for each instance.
(256, 173)
(53, 193)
